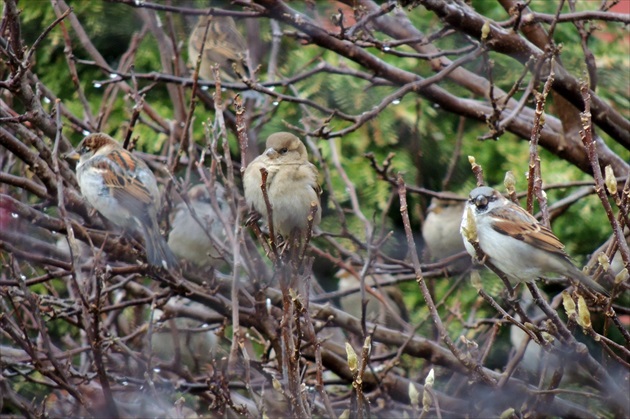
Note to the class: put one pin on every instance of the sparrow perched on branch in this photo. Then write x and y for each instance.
(124, 190)
(291, 184)
(534, 356)
(387, 309)
(198, 237)
(514, 241)
(224, 46)
(440, 230)
(178, 336)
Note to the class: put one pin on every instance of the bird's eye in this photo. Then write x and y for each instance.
(283, 150)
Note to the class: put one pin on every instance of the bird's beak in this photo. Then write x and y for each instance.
(270, 152)
(72, 155)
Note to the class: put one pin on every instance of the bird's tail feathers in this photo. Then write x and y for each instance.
(586, 280)
(158, 252)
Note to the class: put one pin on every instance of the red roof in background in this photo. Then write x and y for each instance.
(622, 7)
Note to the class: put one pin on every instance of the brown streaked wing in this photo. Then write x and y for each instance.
(515, 222)
(129, 191)
(226, 31)
(224, 43)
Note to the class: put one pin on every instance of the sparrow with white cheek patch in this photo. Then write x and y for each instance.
(123, 189)
(291, 184)
(514, 241)
(224, 46)
(198, 238)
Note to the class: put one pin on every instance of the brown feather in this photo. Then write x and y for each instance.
(129, 191)
(521, 225)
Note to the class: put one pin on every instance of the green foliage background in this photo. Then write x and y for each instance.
(422, 135)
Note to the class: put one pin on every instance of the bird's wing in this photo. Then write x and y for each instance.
(306, 171)
(127, 189)
(521, 225)
(224, 42)
(228, 34)
(315, 185)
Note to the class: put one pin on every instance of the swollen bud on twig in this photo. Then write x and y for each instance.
(509, 182)
(610, 181)
(622, 276)
(353, 362)
(276, 384)
(426, 395)
(603, 260)
(294, 295)
(508, 413)
(469, 230)
(547, 337)
(584, 316)
(477, 170)
(367, 345)
(569, 304)
(485, 30)
(470, 344)
(414, 395)
(430, 380)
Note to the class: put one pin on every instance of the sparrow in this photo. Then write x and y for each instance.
(538, 361)
(291, 184)
(123, 189)
(534, 356)
(389, 310)
(440, 230)
(198, 240)
(179, 335)
(224, 46)
(514, 241)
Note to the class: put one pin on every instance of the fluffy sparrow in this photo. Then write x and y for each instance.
(197, 238)
(514, 241)
(123, 189)
(534, 356)
(389, 311)
(178, 335)
(538, 361)
(291, 184)
(224, 46)
(83, 250)
(441, 230)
